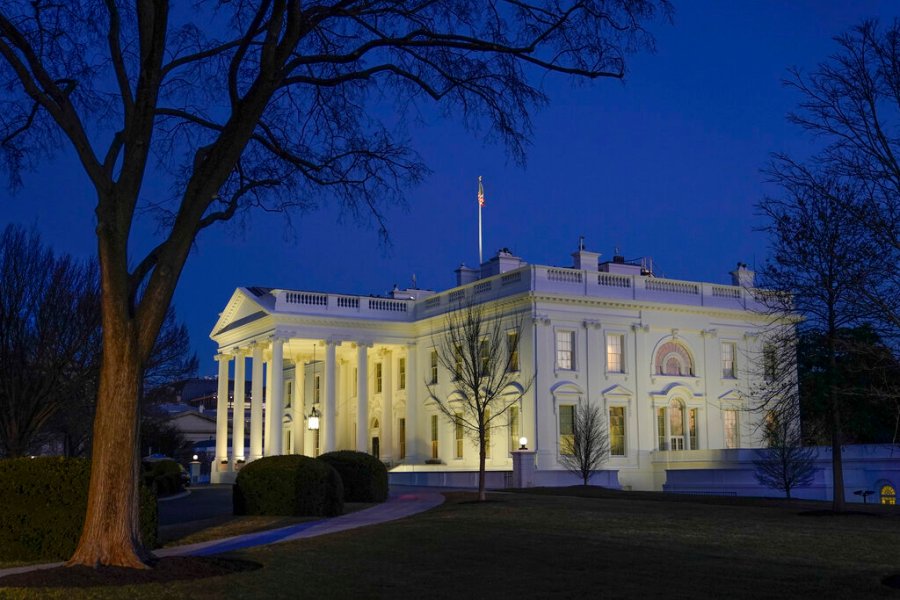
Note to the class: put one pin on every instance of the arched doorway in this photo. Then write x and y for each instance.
(887, 494)
(676, 426)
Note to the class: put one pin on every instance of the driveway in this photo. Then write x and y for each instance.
(203, 502)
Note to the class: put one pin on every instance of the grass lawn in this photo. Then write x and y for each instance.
(536, 545)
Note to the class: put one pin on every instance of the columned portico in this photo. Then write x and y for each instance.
(256, 412)
(237, 413)
(329, 415)
(362, 396)
(222, 410)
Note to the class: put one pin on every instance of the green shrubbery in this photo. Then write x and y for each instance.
(43, 504)
(288, 485)
(364, 476)
(163, 476)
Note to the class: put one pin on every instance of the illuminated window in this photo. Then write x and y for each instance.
(484, 352)
(458, 428)
(513, 415)
(401, 431)
(673, 358)
(317, 388)
(457, 363)
(676, 425)
(617, 430)
(378, 374)
(661, 428)
(888, 494)
(434, 437)
(565, 349)
(692, 428)
(434, 367)
(288, 394)
(729, 417)
(566, 428)
(512, 347)
(728, 364)
(401, 374)
(615, 343)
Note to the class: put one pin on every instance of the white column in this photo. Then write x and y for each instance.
(329, 414)
(237, 414)
(267, 412)
(256, 392)
(298, 403)
(222, 410)
(412, 412)
(276, 399)
(387, 408)
(362, 397)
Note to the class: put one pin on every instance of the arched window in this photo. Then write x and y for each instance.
(888, 494)
(673, 358)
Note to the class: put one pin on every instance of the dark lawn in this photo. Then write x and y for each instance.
(533, 545)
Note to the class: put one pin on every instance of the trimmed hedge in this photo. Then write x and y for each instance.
(364, 476)
(163, 476)
(288, 485)
(43, 504)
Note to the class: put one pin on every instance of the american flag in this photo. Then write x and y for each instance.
(480, 193)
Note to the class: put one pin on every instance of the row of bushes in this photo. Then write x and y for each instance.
(299, 485)
(44, 501)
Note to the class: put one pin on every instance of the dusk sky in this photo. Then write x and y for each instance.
(665, 165)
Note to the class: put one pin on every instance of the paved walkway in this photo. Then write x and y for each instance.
(401, 503)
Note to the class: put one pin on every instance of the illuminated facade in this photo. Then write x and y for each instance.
(669, 362)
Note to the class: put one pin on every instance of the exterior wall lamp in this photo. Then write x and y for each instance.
(313, 419)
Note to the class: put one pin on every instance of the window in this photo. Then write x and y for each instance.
(888, 494)
(434, 437)
(484, 352)
(728, 366)
(487, 434)
(512, 347)
(317, 388)
(676, 425)
(457, 363)
(565, 347)
(770, 362)
(401, 374)
(316, 443)
(458, 431)
(729, 417)
(673, 358)
(615, 343)
(401, 432)
(288, 394)
(434, 365)
(661, 428)
(378, 373)
(566, 428)
(513, 427)
(617, 430)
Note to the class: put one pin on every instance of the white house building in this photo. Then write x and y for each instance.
(665, 359)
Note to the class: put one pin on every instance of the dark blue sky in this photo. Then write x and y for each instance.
(666, 165)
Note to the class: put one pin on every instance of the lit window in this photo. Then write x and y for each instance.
(728, 364)
(888, 494)
(565, 346)
(288, 395)
(692, 429)
(661, 428)
(401, 374)
(401, 431)
(434, 367)
(673, 358)
(457, 363)
(513, 427)
(434, 437)
(676, 425)
(617, 430)
(485, 354)
(317, 388)
(512, 347)
(566, 428)
(458, 428)
(615, 343)
(378, 372)
(729, 417)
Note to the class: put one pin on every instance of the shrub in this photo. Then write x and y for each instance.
(364, 476)
(163, 476)
(288, 485)
(44, 500)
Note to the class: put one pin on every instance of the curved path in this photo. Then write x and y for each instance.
(401, 503)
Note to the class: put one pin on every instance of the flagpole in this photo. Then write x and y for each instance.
(480, 204)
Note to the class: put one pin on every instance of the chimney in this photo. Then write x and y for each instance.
(584, 260)
(742, 276)
(465, 275)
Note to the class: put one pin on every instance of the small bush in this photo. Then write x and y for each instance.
(288, 485)
(163, 476)
(44, 501)
(364, 476)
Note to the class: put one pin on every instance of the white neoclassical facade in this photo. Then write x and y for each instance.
(668, 362)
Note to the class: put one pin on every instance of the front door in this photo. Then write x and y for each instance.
(375, 447)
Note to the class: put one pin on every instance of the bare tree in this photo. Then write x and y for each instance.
(49, 333)
(786, 464)
(821, 259)
(587, 447)
(270, 104)
(482, 353)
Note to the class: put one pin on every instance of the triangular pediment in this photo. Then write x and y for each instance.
(732, 394)
(617, 391)
(245, 305)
